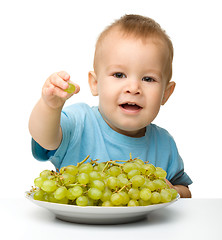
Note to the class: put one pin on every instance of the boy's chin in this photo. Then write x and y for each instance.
(131, 132)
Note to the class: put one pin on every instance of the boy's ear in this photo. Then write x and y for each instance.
(168, 92)
(92, 79)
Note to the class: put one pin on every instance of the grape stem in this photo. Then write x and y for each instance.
(105, 166)
(125, 186)
(121, 189)
(111, 162)
(80, 163)
(94, 161)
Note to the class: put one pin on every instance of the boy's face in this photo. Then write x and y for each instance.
(130, 82)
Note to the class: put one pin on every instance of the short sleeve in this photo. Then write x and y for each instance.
(176, 174)
(41, 153)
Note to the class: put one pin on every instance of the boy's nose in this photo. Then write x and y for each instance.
(133, 86)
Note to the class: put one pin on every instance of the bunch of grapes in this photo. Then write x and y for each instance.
(111, 183)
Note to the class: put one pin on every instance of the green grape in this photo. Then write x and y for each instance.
(145, 194)
(69, 194)
(82, 201)
(145, 185)
(174, 193)
(107, 204)
(122, 181)
(155, 198)
(68, 178)
(151, 185)
(125, 197)
(39, 181)
(51, 177)
(95, 193)
(144, 203)
(71, 88)
(45, 173)
(90, 201)
(141, 168)
(73, 193)
(104, 176)
(38, 195)
(52, 198)
(69, 169)
(137, 165)
(116, 199)
(112, 182)
(106, 195)
(160, 173)
(63, 201)
(95, 168)
(149, 169)
(137, 181)
(133, 203)
(94, 175)
(101, 166)
(83, 178)
(133, 172)
(85, 168)
(45, 197)
(139, 161)
(166, 195)
(60, 193)
(77, 191)
(114, 171)
(159, 183)
(98, 184)
(134, 193)
(128, 167)
(122, 175)
(49, 186)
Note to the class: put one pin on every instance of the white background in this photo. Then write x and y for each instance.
(41, 37)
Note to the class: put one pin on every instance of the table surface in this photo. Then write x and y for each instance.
(185, 219)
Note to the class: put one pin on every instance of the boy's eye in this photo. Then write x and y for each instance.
(148, 79)
(119, 75)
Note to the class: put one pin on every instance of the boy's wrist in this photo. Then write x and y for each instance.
(49, 108)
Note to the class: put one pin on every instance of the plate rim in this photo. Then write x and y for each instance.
(65, 207)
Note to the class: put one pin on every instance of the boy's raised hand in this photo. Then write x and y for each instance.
(53, 92)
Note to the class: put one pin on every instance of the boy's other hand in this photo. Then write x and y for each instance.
(182, 190)
(53, 92)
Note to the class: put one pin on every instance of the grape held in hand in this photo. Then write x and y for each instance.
(71, 88)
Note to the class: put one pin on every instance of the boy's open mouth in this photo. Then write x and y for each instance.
(130, 106)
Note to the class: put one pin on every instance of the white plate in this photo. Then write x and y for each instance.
(98, 215)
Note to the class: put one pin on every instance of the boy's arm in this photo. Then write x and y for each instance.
(44, 125)
(184, 191)
(44, 122)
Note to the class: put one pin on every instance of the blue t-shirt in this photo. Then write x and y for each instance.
(86, 133)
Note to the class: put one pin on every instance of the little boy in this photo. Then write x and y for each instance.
(132, 73)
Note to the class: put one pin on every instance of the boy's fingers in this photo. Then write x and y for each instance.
(58, 81)
(77, 88)
(55, 92)
(59, 93)
(64, 75)
(56, 86)
(47, 91)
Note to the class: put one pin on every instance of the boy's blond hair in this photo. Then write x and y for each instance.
(139, 27)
